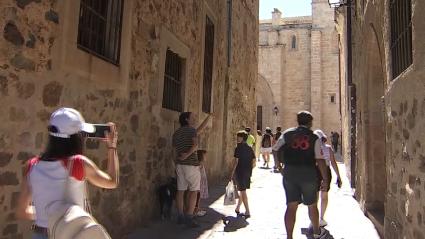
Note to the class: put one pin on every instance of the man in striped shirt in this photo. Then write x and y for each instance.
(185, 143)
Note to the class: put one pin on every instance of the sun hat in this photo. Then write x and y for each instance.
(67, 122)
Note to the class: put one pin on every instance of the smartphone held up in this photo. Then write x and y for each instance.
(100, 132)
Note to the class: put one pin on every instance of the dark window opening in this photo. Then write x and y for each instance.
(332, 98)
(259, 117)
(172, 94)
(401, 36)
(208, 66)
(294, 42)
(99, 28)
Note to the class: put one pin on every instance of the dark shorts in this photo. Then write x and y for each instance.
(243, 181)
(300, 184)
(320, 178)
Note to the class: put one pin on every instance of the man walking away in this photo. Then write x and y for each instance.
(302, 152)
(185, 143)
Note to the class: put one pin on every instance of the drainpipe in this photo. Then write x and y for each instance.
(353, 98)
(229, 32)
(226, 91)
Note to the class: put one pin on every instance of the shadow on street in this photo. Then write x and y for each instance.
(163, 229)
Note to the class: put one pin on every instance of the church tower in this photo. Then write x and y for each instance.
(324, 67)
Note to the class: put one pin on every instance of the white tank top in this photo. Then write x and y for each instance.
(47, 180)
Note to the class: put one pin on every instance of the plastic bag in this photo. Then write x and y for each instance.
(230, 196)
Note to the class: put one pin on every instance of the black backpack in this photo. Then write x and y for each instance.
(266, 142)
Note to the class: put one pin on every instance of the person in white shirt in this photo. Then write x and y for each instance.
(329, 157)
(47, 175)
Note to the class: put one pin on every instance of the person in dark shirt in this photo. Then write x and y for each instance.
(302, 152)
(266, 146)
(242, 171)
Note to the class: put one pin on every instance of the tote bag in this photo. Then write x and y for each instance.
(68, 220)
(230, 196)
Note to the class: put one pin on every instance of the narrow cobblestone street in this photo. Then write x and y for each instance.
(267, 202)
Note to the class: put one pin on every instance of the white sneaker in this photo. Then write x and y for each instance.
(323, 223)
(318, 236)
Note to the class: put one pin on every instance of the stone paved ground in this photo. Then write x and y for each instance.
(267, 202)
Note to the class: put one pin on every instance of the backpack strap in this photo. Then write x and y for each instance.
(75, 168)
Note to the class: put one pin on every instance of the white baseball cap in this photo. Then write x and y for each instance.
(69, 121)
(320, 133)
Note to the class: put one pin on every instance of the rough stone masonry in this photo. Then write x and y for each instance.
(42, 68)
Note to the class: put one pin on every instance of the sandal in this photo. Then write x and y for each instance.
(238, 213)
(246, 216)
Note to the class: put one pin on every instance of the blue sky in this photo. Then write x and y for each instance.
(289, 8)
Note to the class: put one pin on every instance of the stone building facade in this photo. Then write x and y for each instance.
(298, 62)
(384, 108)
(44, 65)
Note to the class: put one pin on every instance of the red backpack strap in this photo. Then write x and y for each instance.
(30, 164)
(77, 170)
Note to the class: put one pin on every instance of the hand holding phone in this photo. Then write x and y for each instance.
(112, 136)
(101, 131)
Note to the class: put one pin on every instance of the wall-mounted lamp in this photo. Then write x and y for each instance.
(275, 110)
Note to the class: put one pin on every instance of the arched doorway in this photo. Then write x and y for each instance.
(374, 130)
(265, 103)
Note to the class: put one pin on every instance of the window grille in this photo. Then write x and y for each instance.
(208, 66)
(294, 42)
(99, 28)
(172, 94)
(401, 35)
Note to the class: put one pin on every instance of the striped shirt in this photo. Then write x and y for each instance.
(182, 142)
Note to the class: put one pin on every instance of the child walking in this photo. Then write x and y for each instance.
(242, 171)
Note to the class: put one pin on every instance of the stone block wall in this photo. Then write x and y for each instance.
(395, 107)
(303, 78)
(265, 99)
(42, 69)
(287, 71)
(327, 68)
(344, 90)
(271, 74)
(405, 154)
(331, 116)
(296, 80)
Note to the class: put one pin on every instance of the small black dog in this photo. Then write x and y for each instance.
(166, 195)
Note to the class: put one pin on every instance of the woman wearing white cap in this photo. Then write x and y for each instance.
(47, 175)
(329, 156)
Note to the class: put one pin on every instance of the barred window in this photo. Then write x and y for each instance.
(294, 42)
(99, 28)
(208, 66)
(401, 35)
(172, 94)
